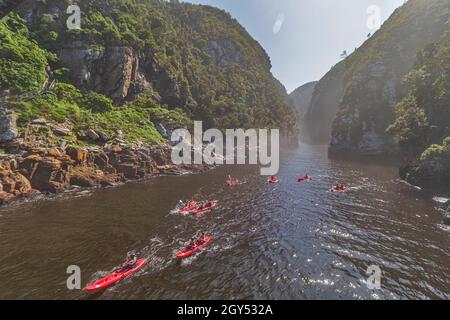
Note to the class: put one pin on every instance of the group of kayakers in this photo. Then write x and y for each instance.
(195, 244)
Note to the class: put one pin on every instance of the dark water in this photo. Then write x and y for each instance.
(285, 241)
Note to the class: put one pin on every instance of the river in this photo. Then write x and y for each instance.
(285, 241)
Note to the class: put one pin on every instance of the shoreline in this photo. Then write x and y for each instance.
(55, 170)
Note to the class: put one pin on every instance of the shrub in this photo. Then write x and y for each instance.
(432, 152)
(96, 102)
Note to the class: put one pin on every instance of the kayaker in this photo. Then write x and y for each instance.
(201, 239)
(131, 261)
(191, 245)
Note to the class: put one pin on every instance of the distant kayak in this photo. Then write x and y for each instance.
(233, 182)
(205, 209)
(114, 277)
(338, 190)
(190, 206)
(189, 252)
(304, 179)
(273, 181)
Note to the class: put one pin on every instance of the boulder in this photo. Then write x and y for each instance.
(129, 170)
(53, 152)
(8, 126)
(93, 134)
(77, 155)
(39, 121)
(103, 136)
(60, 131)
(46, 173)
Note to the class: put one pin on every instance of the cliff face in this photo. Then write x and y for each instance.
(196, 58)
(321, 112)
(300, 100)
(354, 103)
(7, 5)
(372, 80)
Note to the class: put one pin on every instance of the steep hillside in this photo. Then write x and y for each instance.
(322, 109)
(301, 97)
(422, 124)
(300, 100)
(372, 82)
(136, 66)
(366, 86)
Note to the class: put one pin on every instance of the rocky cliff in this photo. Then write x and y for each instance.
(321, 112)
(57, 169)
(372, 81)
(354, 103)
(191, 57)
(300, 99)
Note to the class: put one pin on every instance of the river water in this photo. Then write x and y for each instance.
(286, 241)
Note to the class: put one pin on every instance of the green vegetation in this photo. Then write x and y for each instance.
(423, 117)
(21, 59)
(218, 73)
(222, 75)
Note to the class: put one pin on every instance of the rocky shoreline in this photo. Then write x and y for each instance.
(54, 170)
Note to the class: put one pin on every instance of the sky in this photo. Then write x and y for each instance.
(305, 38)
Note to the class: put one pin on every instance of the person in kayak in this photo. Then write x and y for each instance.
(273, 179)
(131, 262)
(201, 239)
(201, 206)
(191, 245)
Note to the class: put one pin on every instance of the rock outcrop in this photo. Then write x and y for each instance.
(8, 125)
(372, 82)
(55, 170)
(354, 102)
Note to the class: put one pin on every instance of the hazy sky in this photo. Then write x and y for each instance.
(304, 38)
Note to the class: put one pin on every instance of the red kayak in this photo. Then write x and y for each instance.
(338, 190)
(189, 252)
(114, 277)
(273, 181)
(205, 209)
(233, 182)
(304, 179)
(190, 206)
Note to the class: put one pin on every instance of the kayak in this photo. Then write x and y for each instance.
(336, 190)
(191, 205)
(273, 181)
(304, 179)
(114, 277)
(205, 209)
(187, 253)
(233, 183)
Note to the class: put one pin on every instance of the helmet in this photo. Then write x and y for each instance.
(131, 255)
